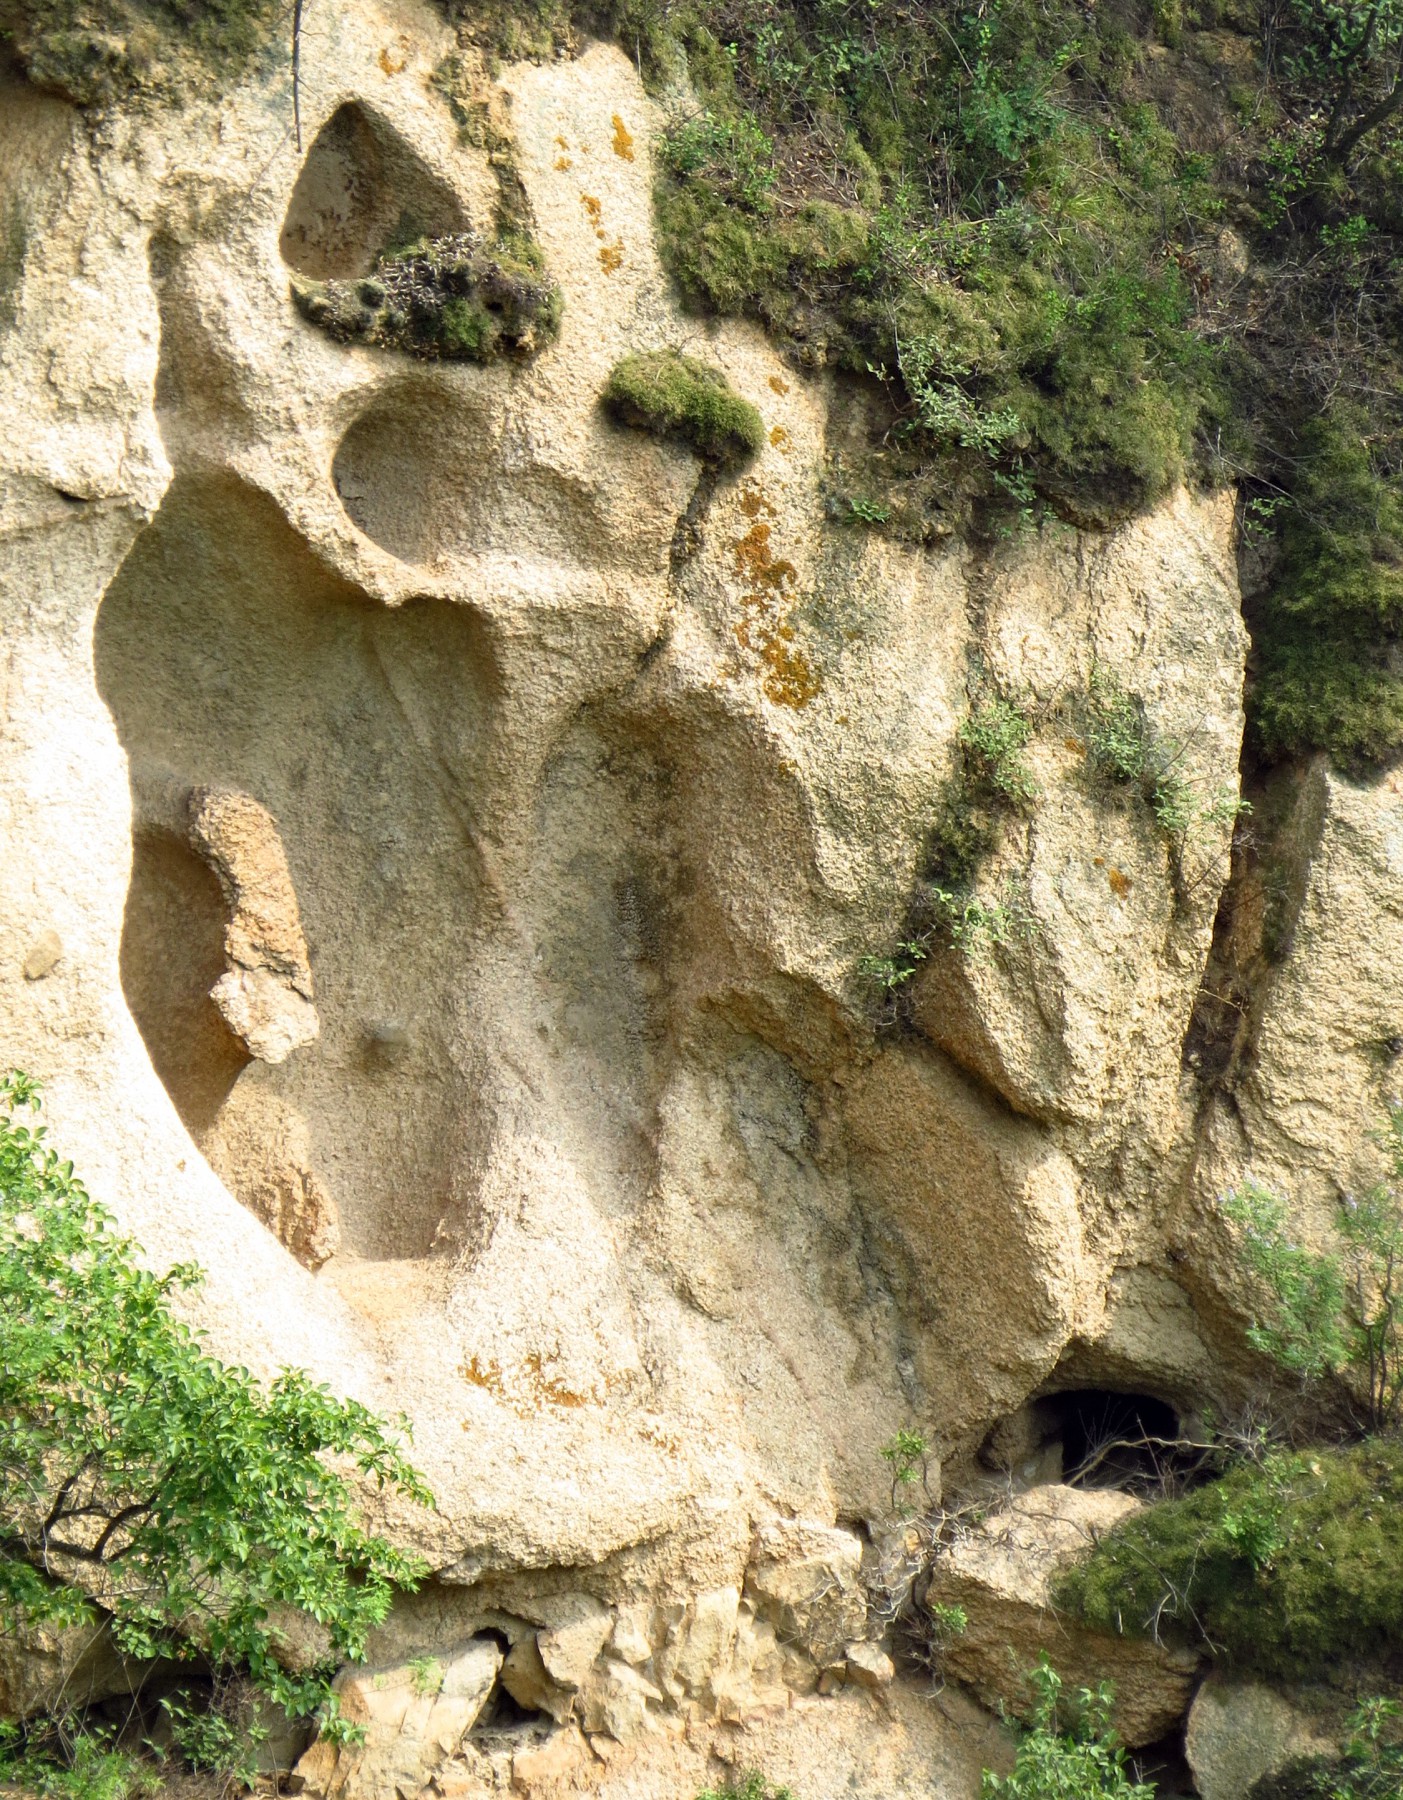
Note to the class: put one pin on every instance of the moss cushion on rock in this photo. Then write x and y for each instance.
(675, 396)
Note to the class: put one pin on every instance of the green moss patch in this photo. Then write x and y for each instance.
(452, 299)
(674, 396)
(1293, 1567)
(103, 52)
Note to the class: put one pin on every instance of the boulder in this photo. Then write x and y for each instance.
(804, 1577)
(869, 1666)
(1242, 1731)
(46, 1668)
(414, 1715)
(1001, 1573)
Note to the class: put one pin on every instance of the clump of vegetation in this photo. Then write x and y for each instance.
(1369, 1768)
(750, 1786)
(453, 298)
(908, 1457)
(1123, 751)
(1327, 1313)
(1068, 1751)
(1292, 1565)
(993, 739)
(675, 396)
(145, 1482)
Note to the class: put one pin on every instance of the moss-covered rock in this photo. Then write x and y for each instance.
(103, 52)
(454, 299)
(1293, 1567)
(674, 396)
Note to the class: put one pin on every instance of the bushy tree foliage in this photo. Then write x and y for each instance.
(142, 1476)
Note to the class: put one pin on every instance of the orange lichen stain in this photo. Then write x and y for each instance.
(779, 384)
(562, 143)
(623, 139)
(1074, 743)
(593, 209)
(483, 1375)
(780, 438)
(755, 560)
(753, 503)
(764, 628)
(1121, 883)
(611, 258)
(563, 162)
(1098, 862)
(550, 1387)
(396, 61)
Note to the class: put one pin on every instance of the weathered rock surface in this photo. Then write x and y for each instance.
(1240, 1731)
(1001, 1572)
(438, 910)
(46, 1668)
(414, 1717)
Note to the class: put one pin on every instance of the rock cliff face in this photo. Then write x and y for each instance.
(443, 831)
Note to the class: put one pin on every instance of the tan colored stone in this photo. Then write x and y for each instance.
(546, 1764)
(1240, 1731)
(869, 1666)
(1001, 1573)
(46, 1668)
(805, 1578)
(43, 956)
(568, 1650)
(414, 1718)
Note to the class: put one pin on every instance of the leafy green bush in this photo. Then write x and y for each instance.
(1370, 1768)
(141, 1475)
(1292, 1566)
(1324, 1312)
(453, 298)
(675, 396)
(750, 1786)
(1069, 1751)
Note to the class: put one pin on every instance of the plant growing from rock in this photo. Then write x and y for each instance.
(452, 299)
(1068, 1751)
(675, 396)
(1324, 1313)
(143, 1479)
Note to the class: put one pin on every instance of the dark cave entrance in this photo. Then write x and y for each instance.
(1093, 1438)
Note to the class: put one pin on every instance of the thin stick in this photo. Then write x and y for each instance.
(296, 69)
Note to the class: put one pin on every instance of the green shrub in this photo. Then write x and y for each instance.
(454, 299)
(750, 1786)
(1068, 1751)
(1293, 1566)
(1325, 1312)
(674, 396)
(187, 1498)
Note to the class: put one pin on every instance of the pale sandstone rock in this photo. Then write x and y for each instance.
(1001, 1572)
(636, 1221)
(545, 1764)
(43, 955)
(805, 1578)
(1239, 1731)
(48, 1668)
(869, 1666)
(414, 1719)
(568, 1649)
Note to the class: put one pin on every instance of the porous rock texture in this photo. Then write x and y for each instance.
(437, 865)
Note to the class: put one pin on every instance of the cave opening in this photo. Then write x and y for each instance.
(1094, 1438)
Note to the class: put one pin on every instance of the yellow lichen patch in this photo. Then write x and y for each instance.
(594, 211)
(781, 439)
(483, 1375)
(395, 61)
(779, 384)
(623, 139)
(1121, 883)
(562, 162)
(764, 629)
(611, 257)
